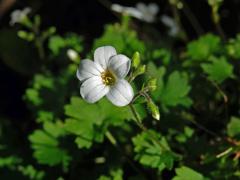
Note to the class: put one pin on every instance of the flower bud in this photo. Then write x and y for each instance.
(73, 55)
(140, 70)
(152, 84)
(136, 59)
(153, 108)
(28, 36)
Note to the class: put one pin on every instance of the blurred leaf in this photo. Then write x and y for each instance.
(9, 161)
(205, 46)
(185, 173)
(44, 116)
(233, 47)
(115, 174)
(218, 70)
(233, 127)
(30, 172)
(163, 55)
(58, 43)
(123, 39)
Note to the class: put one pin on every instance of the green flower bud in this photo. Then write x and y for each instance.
(28, 36)
(136, 59)
(152, 84)
(140, 70)
(153, 108)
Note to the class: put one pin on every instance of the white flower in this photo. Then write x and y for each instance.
(131, 11)
(72, 54)
(171, 24)
(141, 11)
(105, 76)
(149, 11)
(17, 16)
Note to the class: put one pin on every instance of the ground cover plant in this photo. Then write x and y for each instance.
(153, 93)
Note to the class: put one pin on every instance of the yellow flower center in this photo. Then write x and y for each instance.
(108, 77)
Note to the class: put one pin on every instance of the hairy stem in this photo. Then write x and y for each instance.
(144, 128)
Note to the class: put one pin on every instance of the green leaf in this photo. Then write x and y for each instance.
(89, 122)
(9, 161)
(45, 144)
(48, 92)
(162, 54)
(233, 127)
(205, 46)
(115, 174)
(233, 47)
(56, 43)
(44, 116)
(158, 73)
(152, 154)
(218, 70)
(30, 172)
(185, 173)
(71, 40)
(176, 90)
(122, 38)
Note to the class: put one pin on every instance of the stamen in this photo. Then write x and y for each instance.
(108, 77)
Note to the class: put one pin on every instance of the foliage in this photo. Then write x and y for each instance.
(233, 127)
(122, 38)
(46, 145)
(175, 91)
(150, 153)
(57, 43)
(89, 122)
(205, 46)
(191, 83)
(114, 175)
(218, 70)
(185, 173)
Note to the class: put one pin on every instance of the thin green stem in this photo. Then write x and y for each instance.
(39, 46)
(154, 139)
(176, 16)
(140, 93)
(220, 31)
(38, 41)
(216, 21)
(225, 98)
(226, 152)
